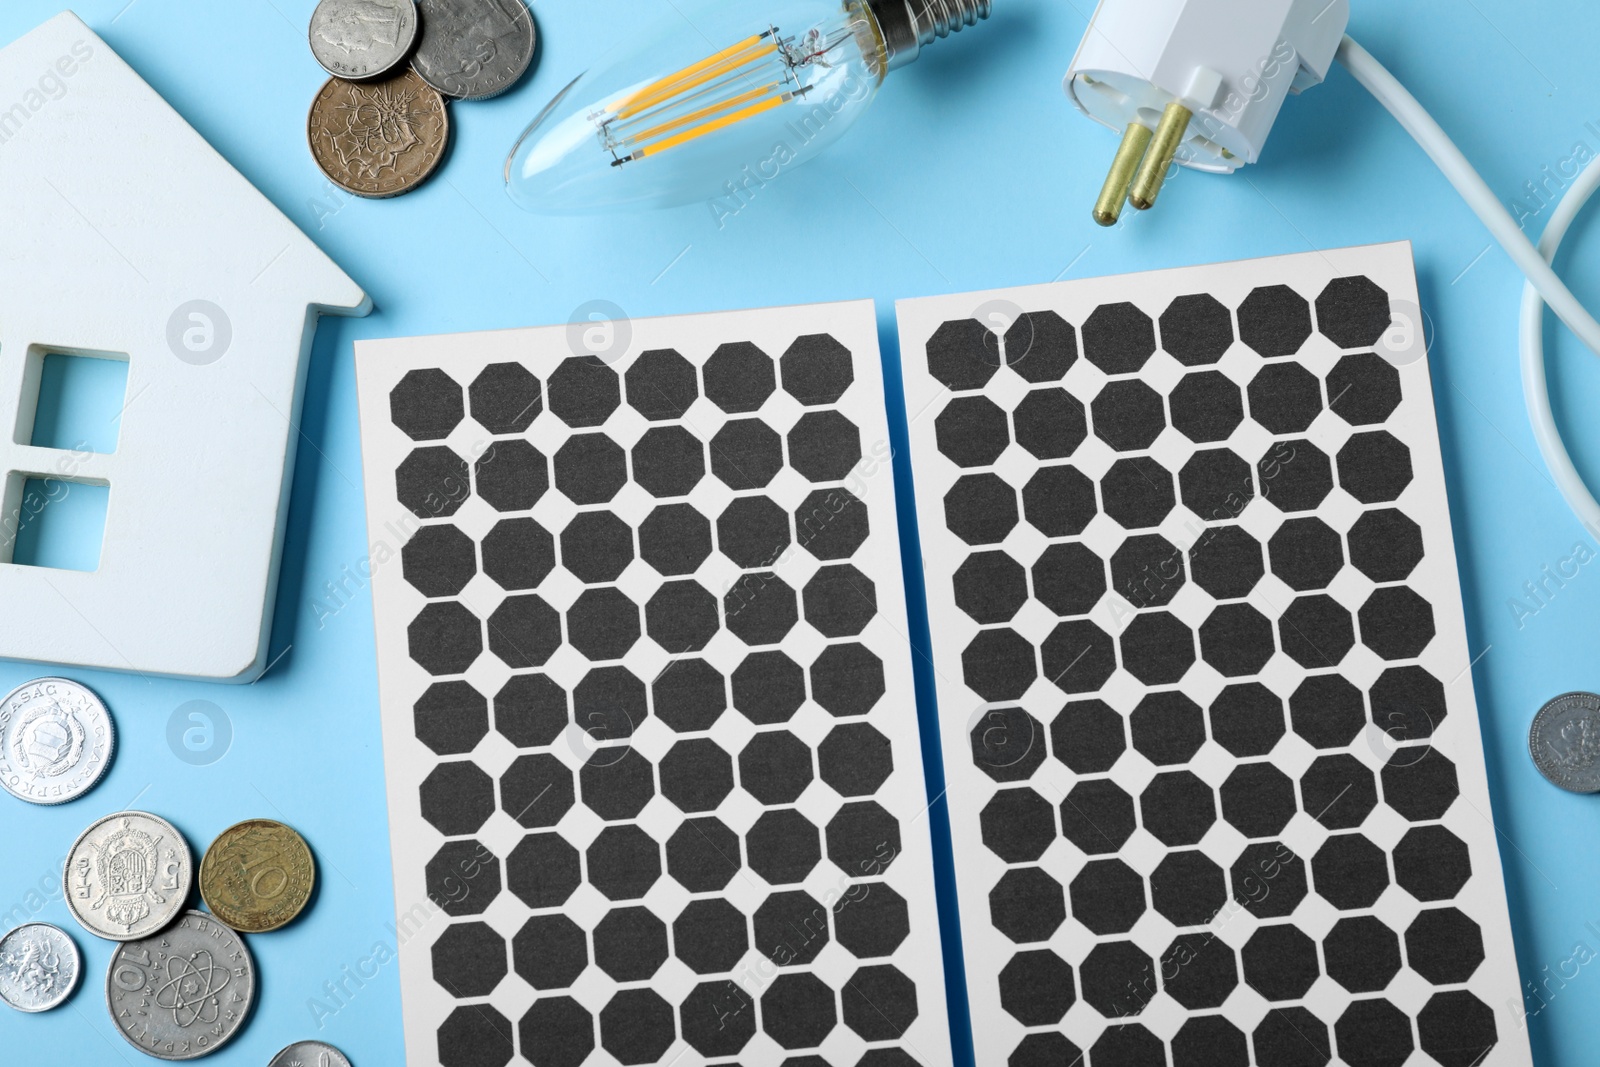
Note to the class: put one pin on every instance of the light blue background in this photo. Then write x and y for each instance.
(971, 172)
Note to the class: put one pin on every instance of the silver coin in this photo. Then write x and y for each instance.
(358, 39)
(1565, 742)
(39, 967)
(474, 49)
(128, 876)
(183, 993)
(56, 741)
(309, 1054)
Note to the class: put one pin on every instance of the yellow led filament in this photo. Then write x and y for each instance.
(722, 90)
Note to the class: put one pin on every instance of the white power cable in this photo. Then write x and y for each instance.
(1534, 388)
(1544, 285)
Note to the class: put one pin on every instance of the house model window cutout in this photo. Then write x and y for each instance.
(127, 237)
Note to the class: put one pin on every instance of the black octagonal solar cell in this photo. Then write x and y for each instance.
(1196, 329)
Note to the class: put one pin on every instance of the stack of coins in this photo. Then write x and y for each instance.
(128, 878)
(181, 982)
(379, 127)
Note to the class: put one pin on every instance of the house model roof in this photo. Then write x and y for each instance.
(128, 237)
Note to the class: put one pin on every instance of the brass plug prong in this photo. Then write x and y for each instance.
(1158, 158)
(1108, 209)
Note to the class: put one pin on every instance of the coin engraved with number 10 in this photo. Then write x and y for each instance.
(183, 993)
(378, 139)
(257, 875)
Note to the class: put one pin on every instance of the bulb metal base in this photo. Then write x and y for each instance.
(909, 25)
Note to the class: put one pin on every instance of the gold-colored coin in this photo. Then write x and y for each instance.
(257, 876)
(378, 139)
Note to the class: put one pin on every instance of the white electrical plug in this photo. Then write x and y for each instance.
(1197, 82)
(1201, 82)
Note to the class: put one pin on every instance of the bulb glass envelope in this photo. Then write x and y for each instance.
(677, 114)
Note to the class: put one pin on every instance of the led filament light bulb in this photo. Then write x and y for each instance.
(730, 89)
